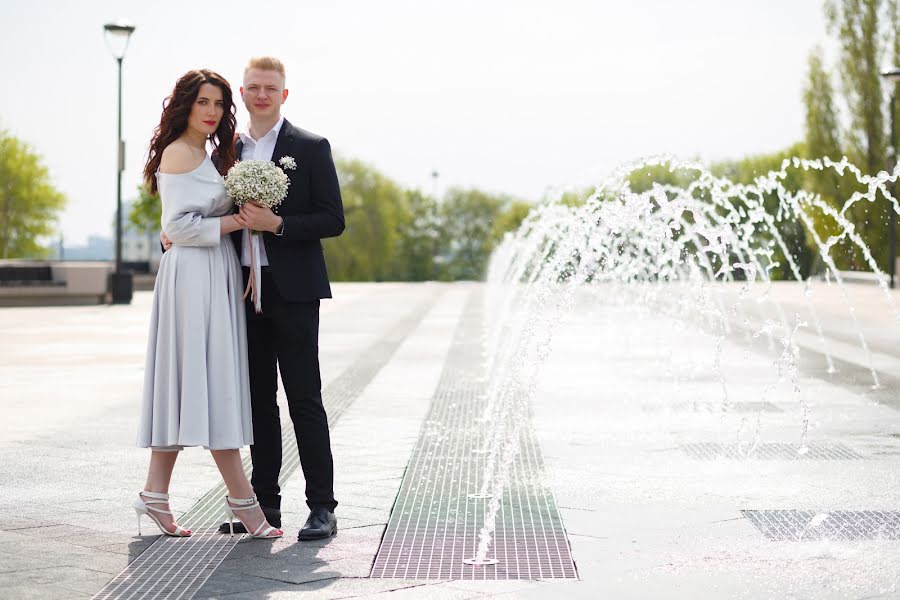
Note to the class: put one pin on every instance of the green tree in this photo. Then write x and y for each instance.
(800, 245)
(864, 30)
(144, 216)
(420, 239)
(510, 219)
(467, 217)
(822, 138)
(821, 126)
(642, 180)
(145, 212)
(574, 198)
(396, 234)
(29, 204)
(895, 27)
(375, 209)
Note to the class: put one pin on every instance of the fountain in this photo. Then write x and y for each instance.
(679, 251)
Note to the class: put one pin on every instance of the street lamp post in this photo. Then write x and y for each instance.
(893, 77)
(120, 284)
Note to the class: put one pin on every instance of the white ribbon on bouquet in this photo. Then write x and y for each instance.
(254, 281)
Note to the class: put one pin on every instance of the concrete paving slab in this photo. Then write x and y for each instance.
(493, 588)
(432, 591)
(31, 591)
(332, 589)
(235, 584)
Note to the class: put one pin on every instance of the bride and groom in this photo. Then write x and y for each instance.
(212, 361)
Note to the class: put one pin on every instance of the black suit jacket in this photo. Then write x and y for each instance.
(312, 211)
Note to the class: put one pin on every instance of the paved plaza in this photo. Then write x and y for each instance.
(648, 468)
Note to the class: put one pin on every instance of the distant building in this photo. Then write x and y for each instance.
(98, 248)
(138, 247)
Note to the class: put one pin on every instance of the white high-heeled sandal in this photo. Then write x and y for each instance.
(248, 504)
(142, 507)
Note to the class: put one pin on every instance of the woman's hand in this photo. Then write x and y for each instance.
(165, 241)
(230, 223)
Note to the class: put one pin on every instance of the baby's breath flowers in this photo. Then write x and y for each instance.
(288, 162)
(259, 181)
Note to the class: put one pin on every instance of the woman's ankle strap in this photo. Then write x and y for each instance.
(158, 495)
(243, 502)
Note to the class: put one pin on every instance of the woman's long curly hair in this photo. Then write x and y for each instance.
(176, 110)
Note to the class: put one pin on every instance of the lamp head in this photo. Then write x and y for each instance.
(117, 36)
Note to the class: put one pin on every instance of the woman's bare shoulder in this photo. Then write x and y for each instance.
(178, 157)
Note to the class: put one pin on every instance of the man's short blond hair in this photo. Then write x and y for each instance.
(265, 63)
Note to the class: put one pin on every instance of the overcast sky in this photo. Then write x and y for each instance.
(509, 96)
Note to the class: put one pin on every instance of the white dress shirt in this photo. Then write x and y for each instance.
(260, 149)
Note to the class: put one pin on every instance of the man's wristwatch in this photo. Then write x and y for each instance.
(280, 229)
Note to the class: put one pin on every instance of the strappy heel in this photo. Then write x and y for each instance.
(263, 531)
(143, 507)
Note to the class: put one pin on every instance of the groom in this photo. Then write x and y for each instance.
(294, 279)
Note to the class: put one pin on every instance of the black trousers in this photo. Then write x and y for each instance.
(286, 334)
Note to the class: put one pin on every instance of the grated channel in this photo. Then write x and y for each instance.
(770, 451)
(840, 525)
(434, 524)
(709, 406)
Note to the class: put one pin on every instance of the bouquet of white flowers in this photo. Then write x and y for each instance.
(259, 181)
(263, 183)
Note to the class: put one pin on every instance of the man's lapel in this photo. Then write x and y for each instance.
(283, 143)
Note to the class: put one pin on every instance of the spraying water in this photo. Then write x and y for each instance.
(669, 251)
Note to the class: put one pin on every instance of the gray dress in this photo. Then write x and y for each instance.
(196, 388)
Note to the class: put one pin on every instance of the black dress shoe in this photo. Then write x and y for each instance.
(273, 516)
(321, 524)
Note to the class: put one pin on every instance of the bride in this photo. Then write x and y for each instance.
(196, 389)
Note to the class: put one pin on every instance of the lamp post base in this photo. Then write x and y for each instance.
(121, 288)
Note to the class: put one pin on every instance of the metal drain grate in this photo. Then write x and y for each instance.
(770, 451)
(434, 525)
(842, 525)
(709, 406)
(173, 568)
